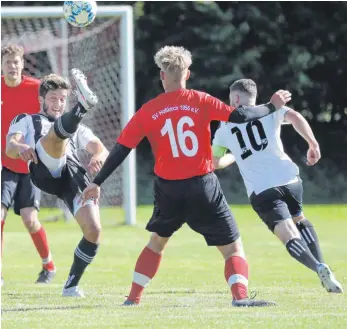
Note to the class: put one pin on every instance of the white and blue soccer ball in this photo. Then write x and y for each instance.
(80, 13)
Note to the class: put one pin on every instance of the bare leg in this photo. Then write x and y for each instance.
(310, 236)
(287, 232)
(30, 219)
(3, 212)
(232, 249)
(88, 218)
(53, 145)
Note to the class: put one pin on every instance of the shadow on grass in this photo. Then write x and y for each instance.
(49, 308)
(188, 291)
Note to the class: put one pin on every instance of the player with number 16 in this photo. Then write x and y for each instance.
(177, 125)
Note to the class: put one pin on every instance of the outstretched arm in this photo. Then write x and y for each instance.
(301, 125)
(16, 148)
(219, 111)
(249, 113)
(15, 140)
(13, 145)
(117, 155)
(99, 155)
(131, 136)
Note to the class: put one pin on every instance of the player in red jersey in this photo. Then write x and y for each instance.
(19, 94)
(177, 125)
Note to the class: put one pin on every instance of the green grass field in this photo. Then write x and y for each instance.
(188, 292)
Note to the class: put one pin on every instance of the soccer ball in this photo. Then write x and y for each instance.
(80, 13)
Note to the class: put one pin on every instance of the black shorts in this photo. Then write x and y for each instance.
(19, 190)
(197, 201)
(73, 181)
(278, 203)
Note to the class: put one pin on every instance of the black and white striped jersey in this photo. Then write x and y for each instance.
(35, 126)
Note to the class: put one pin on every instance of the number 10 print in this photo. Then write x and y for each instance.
(249, 128)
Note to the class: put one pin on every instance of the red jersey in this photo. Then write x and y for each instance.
(16, 100)
(177, 125)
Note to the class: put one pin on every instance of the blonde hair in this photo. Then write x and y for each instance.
(53, 82)
(173, 59)
(12, 50)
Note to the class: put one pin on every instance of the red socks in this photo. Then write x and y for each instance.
(236, 274)
(146, 267)
(2, 235)
(40, 241)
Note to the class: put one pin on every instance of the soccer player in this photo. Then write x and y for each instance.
(177, 124)
(50, 141)
(272, 178)
(19, 93)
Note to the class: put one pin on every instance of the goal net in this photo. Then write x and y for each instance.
(104, 52)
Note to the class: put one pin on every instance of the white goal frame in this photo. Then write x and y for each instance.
(127, 86)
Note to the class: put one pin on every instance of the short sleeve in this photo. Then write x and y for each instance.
(84, 136)
(133, 133)
(279, 115)
(220, 137)
(216, 109)
(19, 125)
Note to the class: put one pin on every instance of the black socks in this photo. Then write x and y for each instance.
(84, 254)
(68, 123)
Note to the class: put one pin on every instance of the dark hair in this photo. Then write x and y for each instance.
(247, 86)
(53, 82)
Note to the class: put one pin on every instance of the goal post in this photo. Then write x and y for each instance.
(104, 51)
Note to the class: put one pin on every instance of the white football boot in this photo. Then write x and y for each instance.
(328, 279)
(84, 95)
(73, 292)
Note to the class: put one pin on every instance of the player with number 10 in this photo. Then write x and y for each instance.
(272, 179)
(177, 125)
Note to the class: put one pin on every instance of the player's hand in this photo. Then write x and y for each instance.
(27, 153)
(280, 98)
(91, 191)
(313, 155)
(95, 165)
